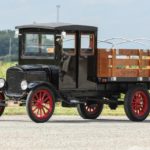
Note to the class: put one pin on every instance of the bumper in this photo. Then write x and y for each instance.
(15, 95)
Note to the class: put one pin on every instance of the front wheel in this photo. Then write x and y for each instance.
(90, 109)
(40, 104)
(137, 104)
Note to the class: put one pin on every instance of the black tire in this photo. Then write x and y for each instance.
(2, 100)
(90, 109)
(40, 107)
(137, 104)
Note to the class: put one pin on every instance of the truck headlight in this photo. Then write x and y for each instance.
(2, 83)
(24, 85)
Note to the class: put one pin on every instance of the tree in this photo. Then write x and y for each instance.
(5, 36)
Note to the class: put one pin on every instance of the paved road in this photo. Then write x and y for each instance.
(73, 133)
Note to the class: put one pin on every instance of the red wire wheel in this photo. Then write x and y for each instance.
(40, 104)
(2, 101)
(137, 104)
(90, 109)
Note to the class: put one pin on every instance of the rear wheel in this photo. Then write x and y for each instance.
(137, 104)
(40, 104)
(90, 109)
(2, 101)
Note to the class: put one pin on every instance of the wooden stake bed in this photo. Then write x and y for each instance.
(126, 63)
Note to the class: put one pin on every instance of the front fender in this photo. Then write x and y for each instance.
(33, 85)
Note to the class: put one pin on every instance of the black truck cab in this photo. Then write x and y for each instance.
(72, 55)
(58, 57)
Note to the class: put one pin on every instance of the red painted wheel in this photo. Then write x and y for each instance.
(2, 101)
(40, 104)
(90, 109)
(137, 104)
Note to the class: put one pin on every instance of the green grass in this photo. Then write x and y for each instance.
(65, 111)
(4, 66)
(73, 111)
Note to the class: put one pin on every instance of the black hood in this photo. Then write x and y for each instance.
(32, 73)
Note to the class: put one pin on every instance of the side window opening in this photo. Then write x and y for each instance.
(87, 44)
(69, 46)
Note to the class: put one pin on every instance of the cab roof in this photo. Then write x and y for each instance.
(58, 26)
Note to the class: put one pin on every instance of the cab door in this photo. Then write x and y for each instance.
(68, 66)
(86, 61)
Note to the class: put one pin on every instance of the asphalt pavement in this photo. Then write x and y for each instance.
(74, 133)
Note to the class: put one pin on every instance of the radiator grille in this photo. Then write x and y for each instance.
(14, 78)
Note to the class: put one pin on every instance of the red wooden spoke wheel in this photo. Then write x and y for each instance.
(2, 101)
(90, 109)
(137, 104)
(40, 104)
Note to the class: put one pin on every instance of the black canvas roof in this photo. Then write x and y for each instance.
(58, 26)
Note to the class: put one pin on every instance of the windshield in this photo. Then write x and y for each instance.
(39, 45)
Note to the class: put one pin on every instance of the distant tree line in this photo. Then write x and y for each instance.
(8, 45)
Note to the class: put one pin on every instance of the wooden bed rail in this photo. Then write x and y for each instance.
(123, 63)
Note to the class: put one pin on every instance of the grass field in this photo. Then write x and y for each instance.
(4, 66)
(64, 111)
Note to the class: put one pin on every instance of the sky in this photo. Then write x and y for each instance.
(114, 18)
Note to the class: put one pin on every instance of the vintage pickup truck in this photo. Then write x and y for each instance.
(60, 62)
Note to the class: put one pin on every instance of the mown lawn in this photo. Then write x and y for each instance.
(4, 66)
(64, 111)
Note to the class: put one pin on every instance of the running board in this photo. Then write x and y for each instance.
(74, 101)
(71, 103)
